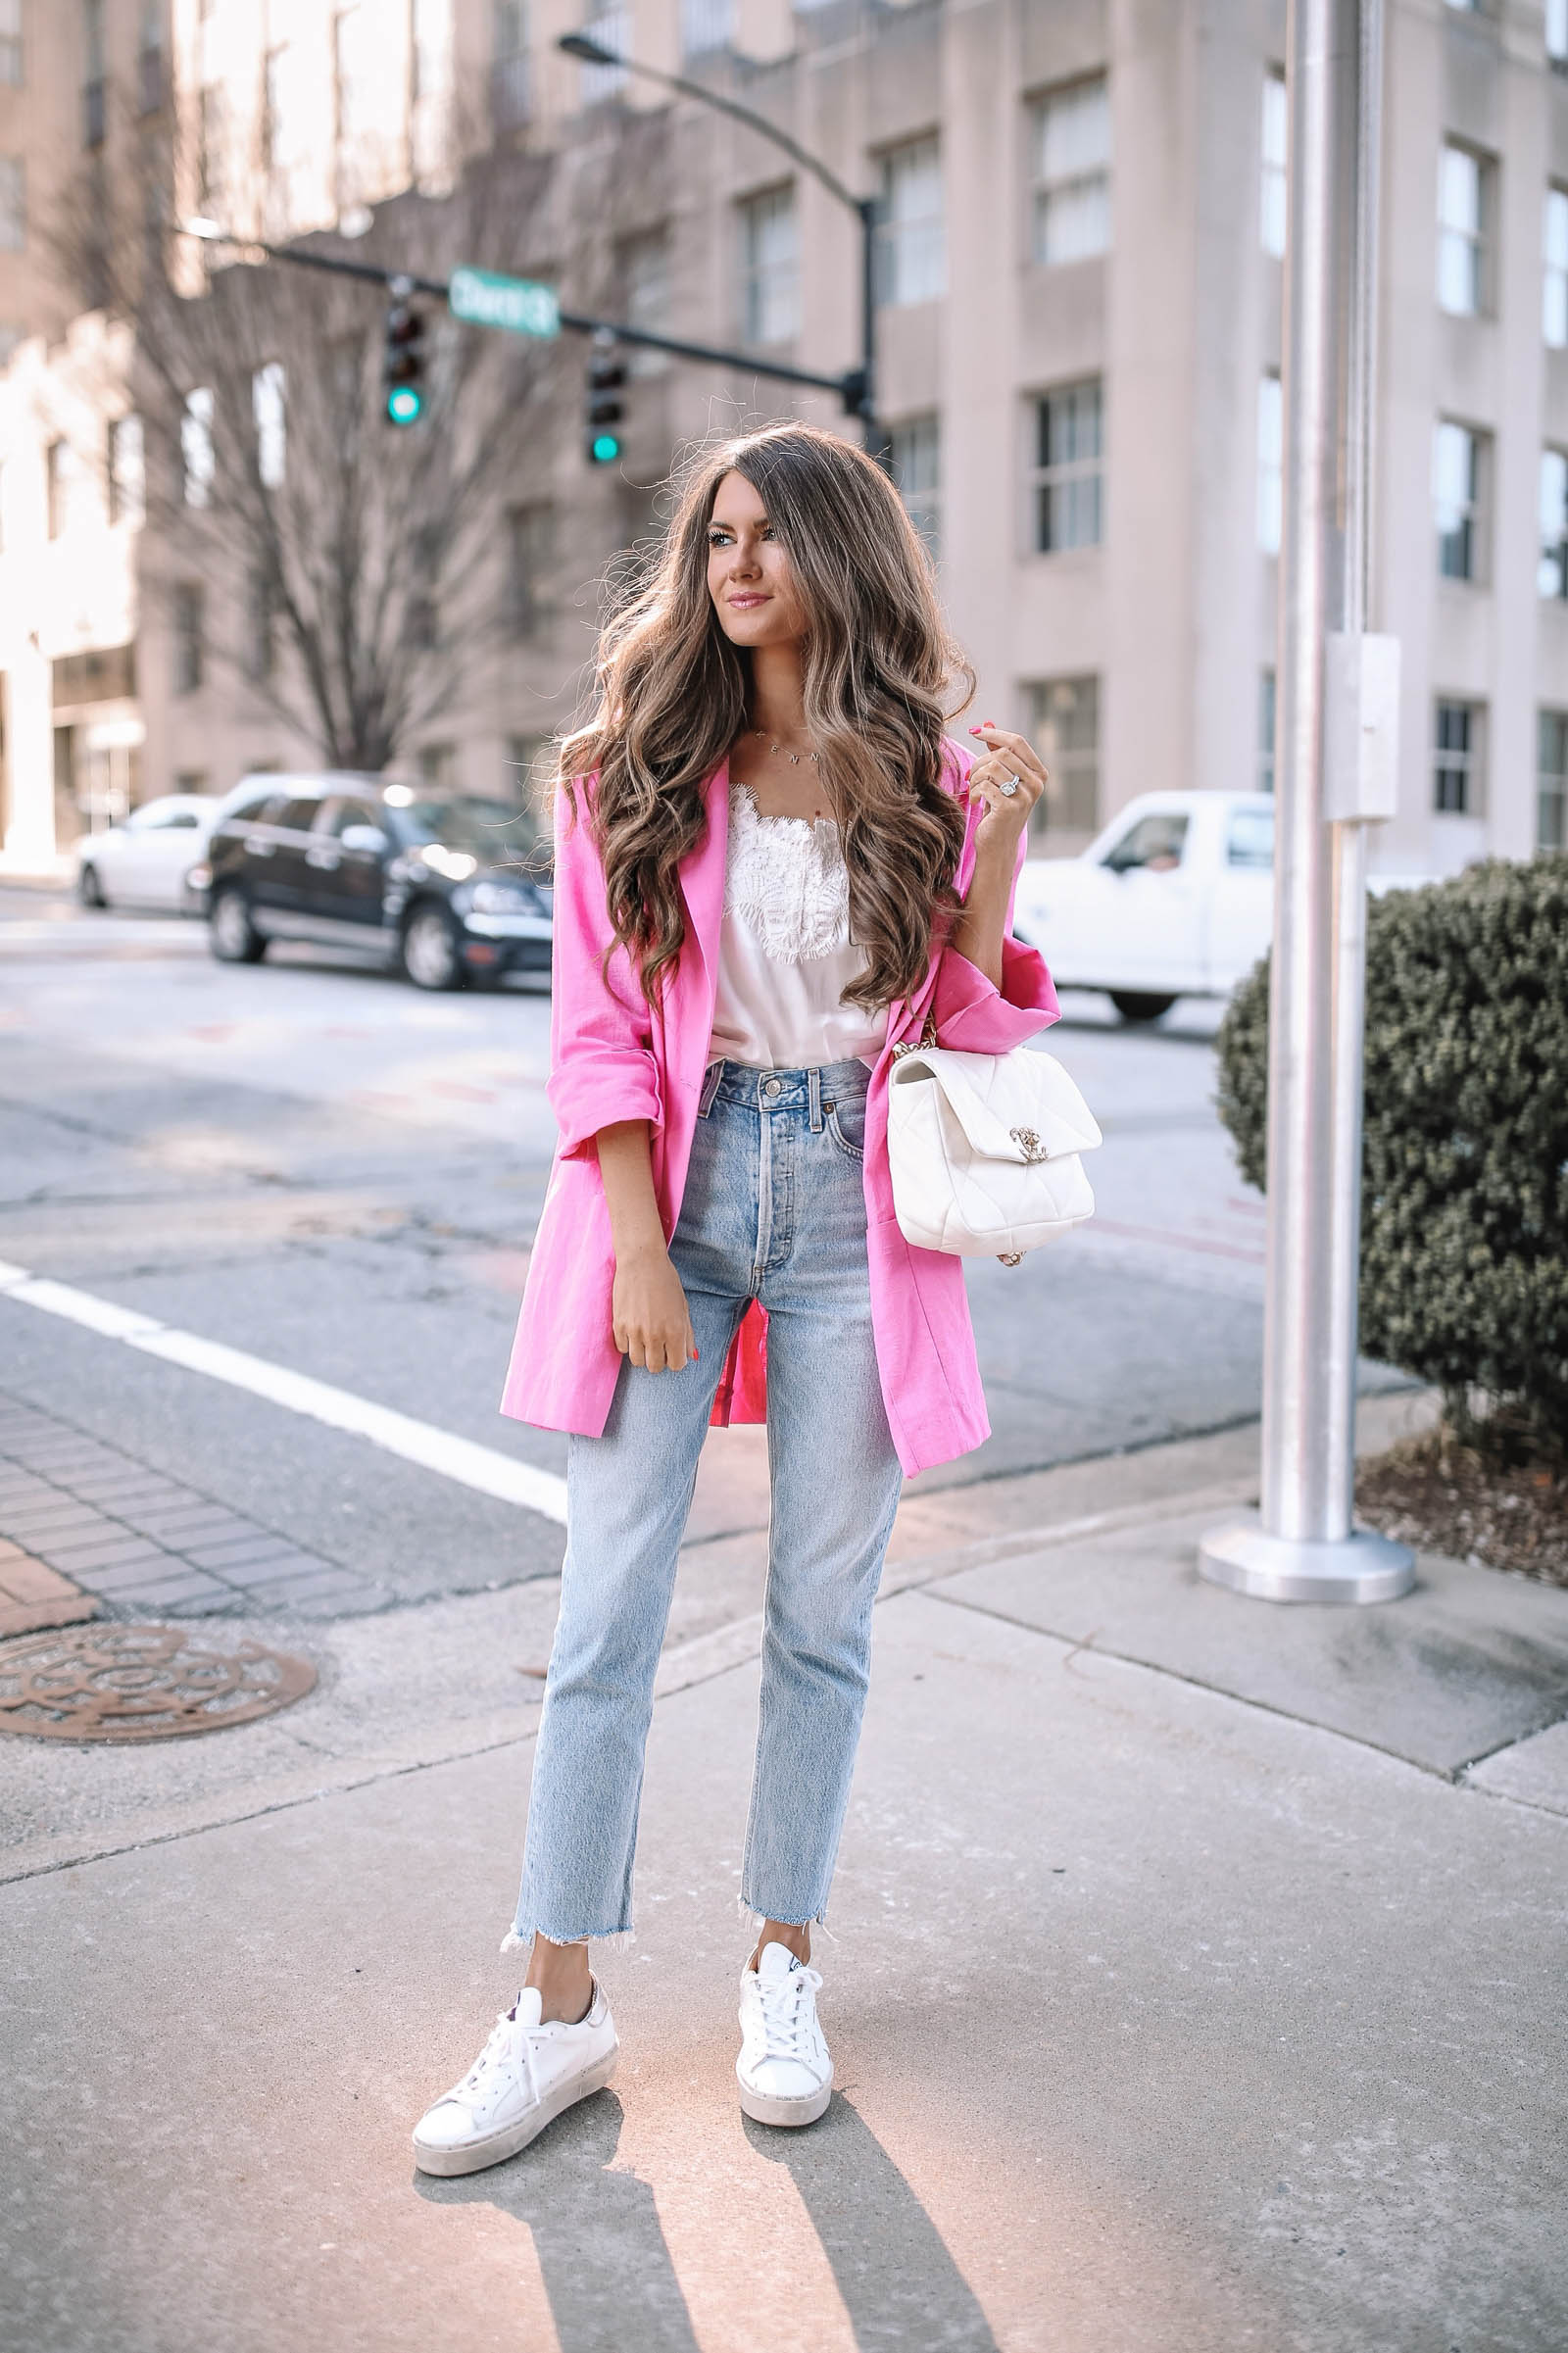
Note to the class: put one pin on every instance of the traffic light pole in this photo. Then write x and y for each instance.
(846, 386)
(856, 387)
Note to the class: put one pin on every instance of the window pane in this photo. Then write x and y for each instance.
(1460, 190)
(1065, 729)
(1251, 841)
(1272, 189)
(912, 247)
(917, 465)
(1551, 578)
(1454, 481)
(769, 268)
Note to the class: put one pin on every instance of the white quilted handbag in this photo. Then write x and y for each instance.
(984, 1150)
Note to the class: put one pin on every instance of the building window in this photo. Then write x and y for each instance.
(1558, 36)
(196, 447)
(269, 386)
(1063, 720)
(1272, 182)
(437, 767)
(150, 58)
(1464, 207)
(1552, 572)
(1551, 781)
(1068, 469)
(509, 65)
(611, 26)
(11, 51)
(258, 642)
(770, 256)
(128, 472)
(12, 204)
(912, 243)
(1072, 173)
(210, 176)
(1457, 761)
(94, 89)
(915, 463)
(189, 635)
(1456, 468)
(645, 297)
(1554, 269)
(55, 470)
(530, 556)
(1267, 703)
(1270, 464)
(706, 26)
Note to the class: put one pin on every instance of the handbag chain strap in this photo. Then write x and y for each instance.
(923, 1044)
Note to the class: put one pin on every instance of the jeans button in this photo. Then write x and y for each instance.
(770, 1086)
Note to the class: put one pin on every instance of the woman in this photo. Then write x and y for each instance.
(771, 868)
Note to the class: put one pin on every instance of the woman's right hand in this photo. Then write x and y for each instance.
(647, 1311)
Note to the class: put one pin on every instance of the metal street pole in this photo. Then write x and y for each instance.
(857, 385)
(1338, 700)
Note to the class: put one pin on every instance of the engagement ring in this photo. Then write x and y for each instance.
(1008, 786)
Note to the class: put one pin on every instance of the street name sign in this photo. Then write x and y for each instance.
(520, 304)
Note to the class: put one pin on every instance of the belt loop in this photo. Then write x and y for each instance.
(710, 1078)
(813, 1088)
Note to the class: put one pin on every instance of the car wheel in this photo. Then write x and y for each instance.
(90, 890)
(1134, 1006)
(431, 957)
(232, 936)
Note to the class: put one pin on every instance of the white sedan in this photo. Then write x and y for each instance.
(145, 860)
(1174, 899)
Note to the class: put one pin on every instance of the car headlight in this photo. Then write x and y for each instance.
(501, 899)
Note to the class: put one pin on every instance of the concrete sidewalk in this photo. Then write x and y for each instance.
(1195, 1983)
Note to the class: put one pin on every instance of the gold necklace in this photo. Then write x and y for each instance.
(783, 753)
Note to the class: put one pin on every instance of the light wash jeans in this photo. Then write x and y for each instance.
(773, 1209)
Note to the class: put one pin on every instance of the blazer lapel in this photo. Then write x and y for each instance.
(702, 880)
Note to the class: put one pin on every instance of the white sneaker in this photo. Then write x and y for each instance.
(524, 2077)
(784, 2071)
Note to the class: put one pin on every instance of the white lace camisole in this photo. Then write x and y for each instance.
(785, 954)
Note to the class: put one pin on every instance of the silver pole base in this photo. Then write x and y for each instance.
(1362, 1567)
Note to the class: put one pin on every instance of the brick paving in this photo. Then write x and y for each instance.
(34, 1597)
(85, 1529)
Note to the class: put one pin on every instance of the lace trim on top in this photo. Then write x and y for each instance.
(786, 879)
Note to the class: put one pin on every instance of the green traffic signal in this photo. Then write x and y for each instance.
(604, 449)
(405, 405)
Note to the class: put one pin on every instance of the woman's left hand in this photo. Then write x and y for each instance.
(1005, 760)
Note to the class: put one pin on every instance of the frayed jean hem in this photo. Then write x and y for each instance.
(754, 1920)
(611, 1940)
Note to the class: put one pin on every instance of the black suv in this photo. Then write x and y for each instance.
(450, 890)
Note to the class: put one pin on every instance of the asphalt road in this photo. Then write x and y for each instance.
(312, 1162)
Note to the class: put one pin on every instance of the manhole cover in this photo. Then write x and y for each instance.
(141, 1682)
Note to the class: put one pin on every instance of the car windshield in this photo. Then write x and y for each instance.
(492, 831)
(1153, 845)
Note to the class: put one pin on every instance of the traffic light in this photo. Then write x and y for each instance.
(403, 364)
(604, 412)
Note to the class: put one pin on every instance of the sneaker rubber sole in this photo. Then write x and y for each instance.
(496, 2148)
(765, 2108)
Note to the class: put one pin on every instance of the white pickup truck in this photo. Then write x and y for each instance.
(1174, 899)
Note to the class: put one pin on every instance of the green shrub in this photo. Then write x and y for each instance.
(1464, 1224)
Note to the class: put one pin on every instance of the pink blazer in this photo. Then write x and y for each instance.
(613, 1057)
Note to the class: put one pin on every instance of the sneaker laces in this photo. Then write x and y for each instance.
(786, 2014)
(498, 2047)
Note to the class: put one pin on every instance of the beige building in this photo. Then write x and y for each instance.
(1079, 327)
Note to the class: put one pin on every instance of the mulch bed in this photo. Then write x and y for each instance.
(1441, 1495)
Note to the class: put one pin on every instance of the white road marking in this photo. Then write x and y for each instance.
(456, 1458)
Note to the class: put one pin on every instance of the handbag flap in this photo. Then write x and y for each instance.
(992, 1096)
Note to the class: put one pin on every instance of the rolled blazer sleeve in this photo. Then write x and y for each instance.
(972, 1014)
(601, 1064)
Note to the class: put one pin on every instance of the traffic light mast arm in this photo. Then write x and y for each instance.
(848, 386)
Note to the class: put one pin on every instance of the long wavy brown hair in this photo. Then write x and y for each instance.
(880, 670)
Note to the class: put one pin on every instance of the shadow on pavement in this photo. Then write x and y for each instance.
(900, 2285)
(597, 2235)
(607, 2269)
